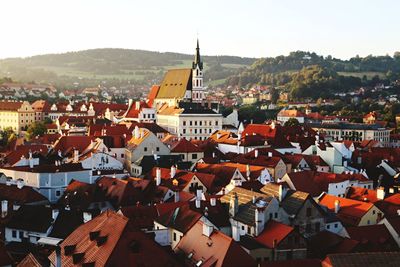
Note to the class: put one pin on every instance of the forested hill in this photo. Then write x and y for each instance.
(139, 66)
(280, 70)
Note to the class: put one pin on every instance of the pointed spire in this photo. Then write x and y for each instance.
(197, 59)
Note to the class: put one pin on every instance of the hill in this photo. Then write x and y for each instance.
(278, 70)
(114, 66)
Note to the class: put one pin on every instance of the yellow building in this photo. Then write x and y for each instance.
(17, 115)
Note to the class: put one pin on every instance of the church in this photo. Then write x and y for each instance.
(180, 103)
(180, 85)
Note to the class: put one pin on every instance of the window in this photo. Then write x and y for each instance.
(275, 215)
(317, 226)
(242, 227)
(174, 236)
(336, 225)
(328, 226)
(122, 155)
(190, 123)
(58, 193)
(308, 212)
(157, 149)
(14, 234)
(194, 156)
(289, 255)
(184, 123)
(308, 228)
(145, 149)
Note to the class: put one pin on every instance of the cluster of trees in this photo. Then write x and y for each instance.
(298, 70)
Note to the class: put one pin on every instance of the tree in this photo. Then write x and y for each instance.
(7, 136)
(292, 122)
(274, 95)
(48, 121)
(37, 128)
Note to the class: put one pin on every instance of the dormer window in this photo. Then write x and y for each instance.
(53, 107)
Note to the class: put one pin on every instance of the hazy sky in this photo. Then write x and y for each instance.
(342, 28)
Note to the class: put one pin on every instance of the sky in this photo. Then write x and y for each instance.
(251, 28)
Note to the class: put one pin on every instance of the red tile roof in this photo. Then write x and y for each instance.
(66, 144)
(315, 182)
(23, 150)
(216, 250)
(373, 237)
(350, 212)
(184, 146)
(106, 240)
(273, 230)
(10, 106)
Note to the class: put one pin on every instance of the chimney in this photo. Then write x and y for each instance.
(281, 193)
(4, 208)
(270, 154)
(256, 153)
(76, 156)
(254, 199)
(136, 132)
(213, 154)
(59, 153)
(233, 205)
(158, 176)
(380, 193)
(20, 183)
(248, 171)
(198, 203)
(54, 214)
(207, 229)
(213, 202)
(337, 206)
(87, 216)
(137, 105)
(176, 196)
(173, 171)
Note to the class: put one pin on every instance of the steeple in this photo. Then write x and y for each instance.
(197, 59)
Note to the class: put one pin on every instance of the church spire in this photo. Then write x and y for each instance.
(197, 59)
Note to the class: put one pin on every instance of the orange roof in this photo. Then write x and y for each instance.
(273, 231)
(361, 194)
(185, 146)
(350, 212)
(315, 182)
(109, 224)
(153, 94)
(293, 113)
(9, 105)
(216, 250)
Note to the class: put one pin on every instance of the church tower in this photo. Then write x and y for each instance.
(198, 94)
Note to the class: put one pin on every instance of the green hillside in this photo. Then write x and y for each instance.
(115, 66)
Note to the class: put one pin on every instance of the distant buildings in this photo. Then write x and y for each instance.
(16, 115)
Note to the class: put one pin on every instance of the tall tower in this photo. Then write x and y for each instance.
(198, 94)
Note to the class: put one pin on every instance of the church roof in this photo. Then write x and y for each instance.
(175, 83)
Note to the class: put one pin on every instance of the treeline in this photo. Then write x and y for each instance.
(280, 70)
